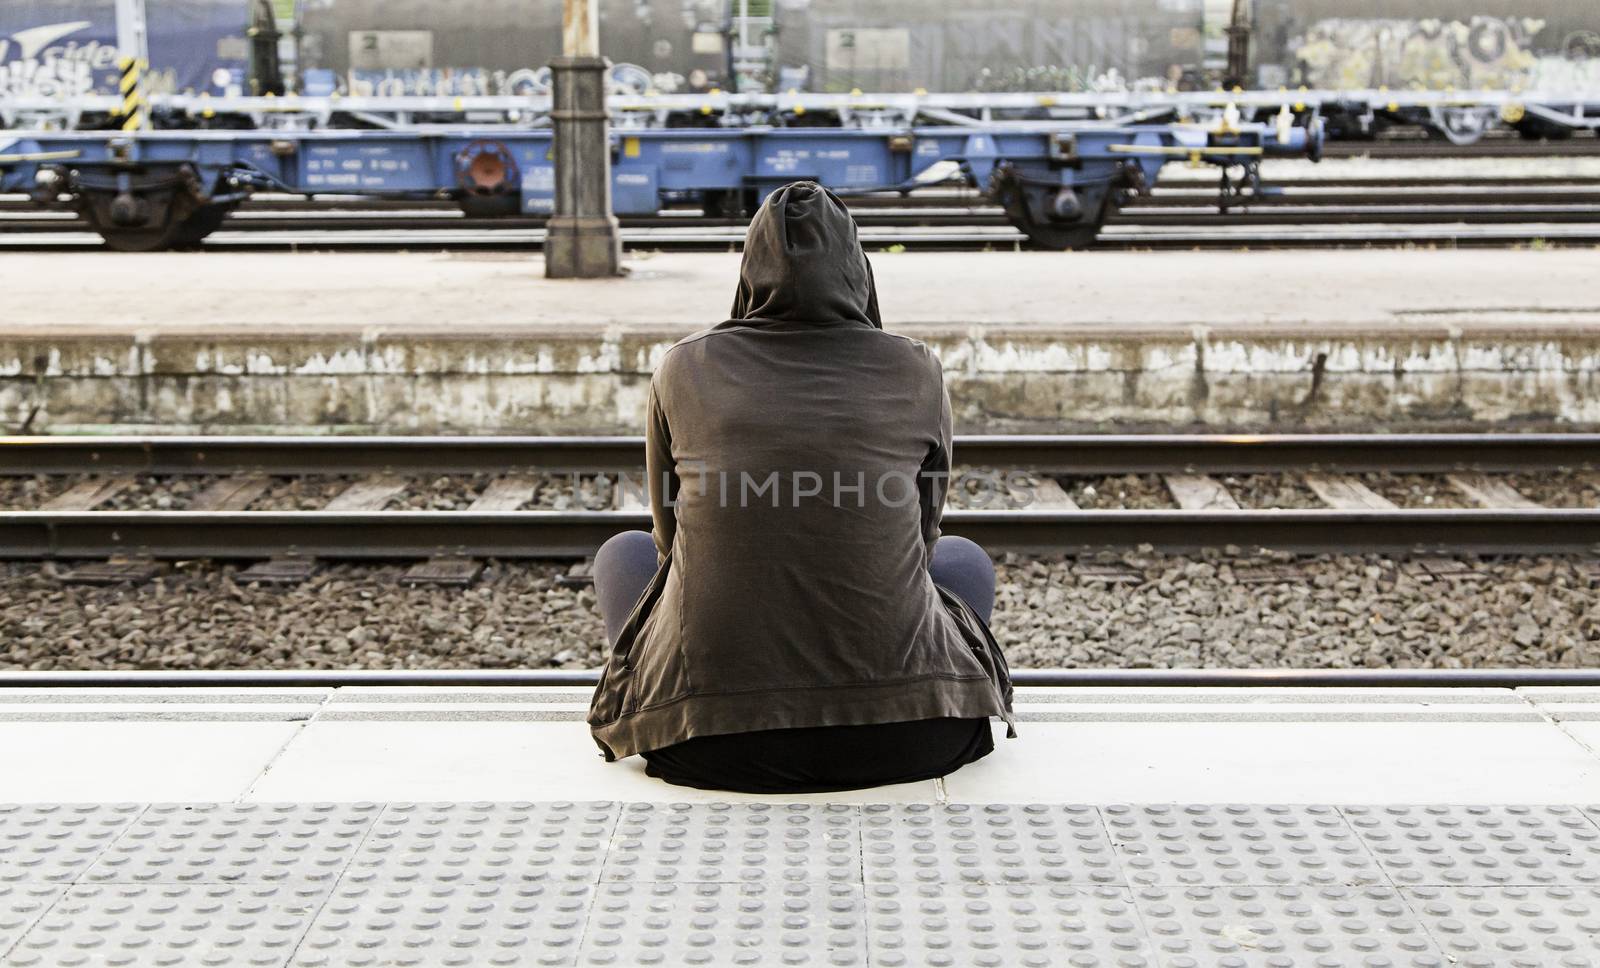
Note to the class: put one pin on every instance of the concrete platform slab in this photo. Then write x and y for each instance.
(1083, 745)
(479, 760)
(1247, 827)
(182, 759)
(421, 343)
(464, 293)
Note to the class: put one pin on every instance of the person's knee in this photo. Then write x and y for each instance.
(622, 553)
(627, 545)
(956, 551)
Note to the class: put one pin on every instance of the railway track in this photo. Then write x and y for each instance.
(233, 473)
(1329, 233)
(1381, 208)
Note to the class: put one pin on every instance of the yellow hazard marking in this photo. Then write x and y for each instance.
(630, 147)
(1511, 112)
(130, 110)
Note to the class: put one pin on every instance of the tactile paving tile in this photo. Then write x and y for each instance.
(462, 924)
(459, 843)
(1015, 924)
(987, 844)
(686, 923)
(20, 906)
(171, 926)
(1462, 845)
(1280, 927)
(55, 842)
(1512, 926)
(1199, 844)
(236, 843)
(736, 842)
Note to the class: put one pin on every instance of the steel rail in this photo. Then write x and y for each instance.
(1023, 678)
(399, 535)
(1079, 454)
(1464, 187)
(1196, 214)
(1261, 235)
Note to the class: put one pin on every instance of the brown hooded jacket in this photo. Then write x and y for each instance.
(798, 458)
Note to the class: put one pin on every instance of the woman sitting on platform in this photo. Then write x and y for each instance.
(796, 623)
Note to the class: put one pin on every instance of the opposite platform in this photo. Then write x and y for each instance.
(425, 343)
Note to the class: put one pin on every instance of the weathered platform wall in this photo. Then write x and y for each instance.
(1001, 379)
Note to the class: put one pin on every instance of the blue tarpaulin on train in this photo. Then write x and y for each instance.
(55, 48)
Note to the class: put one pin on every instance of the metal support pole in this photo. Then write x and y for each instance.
(133, 60)
(583, 240)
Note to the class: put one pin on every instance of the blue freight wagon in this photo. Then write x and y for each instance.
(1057, 181)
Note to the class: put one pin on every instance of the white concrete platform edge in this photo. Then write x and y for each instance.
(1346, 746)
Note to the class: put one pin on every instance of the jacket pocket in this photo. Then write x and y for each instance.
(616, 679)
(986, 650)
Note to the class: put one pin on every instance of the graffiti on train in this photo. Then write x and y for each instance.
(71, 49)
(49, 61)
(1492, 53)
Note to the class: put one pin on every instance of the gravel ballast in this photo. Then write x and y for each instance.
(1132, 492)
(1271, 491)
(1420, 491)
(1173, 611)
(1567, 490)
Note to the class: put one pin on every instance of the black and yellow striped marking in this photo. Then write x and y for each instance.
(132, 109)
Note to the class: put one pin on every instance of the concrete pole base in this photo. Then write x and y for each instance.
(582, 247)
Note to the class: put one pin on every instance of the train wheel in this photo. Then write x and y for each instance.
(128, 222)
(144, 238)
(1059, 236)
(490, 206)
(727, 204)
(1047, 233)
(192, 230)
